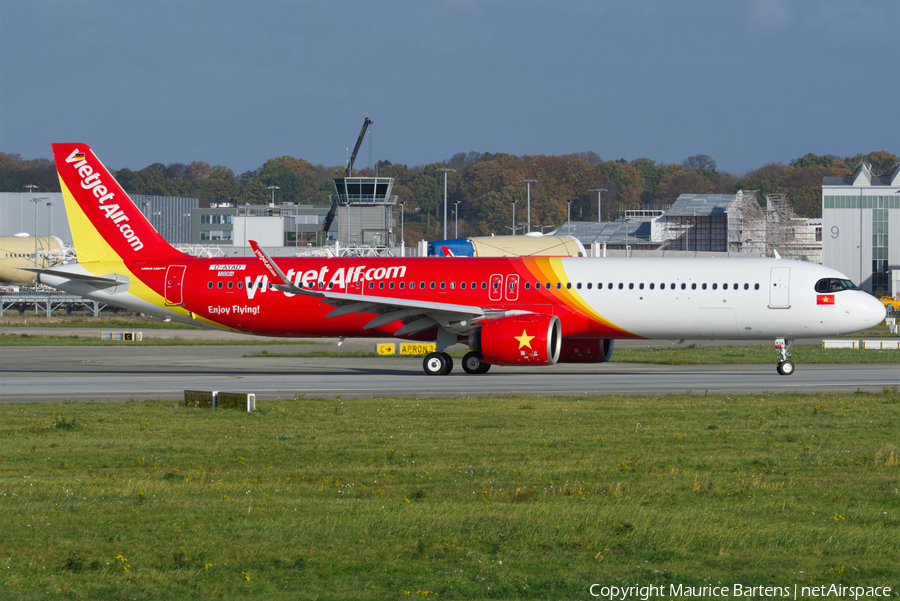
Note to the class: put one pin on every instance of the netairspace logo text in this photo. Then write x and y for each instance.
(738, 591)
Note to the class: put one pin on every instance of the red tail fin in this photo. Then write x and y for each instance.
(106, 225)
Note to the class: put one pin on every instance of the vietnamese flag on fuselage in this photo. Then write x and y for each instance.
(824, 299)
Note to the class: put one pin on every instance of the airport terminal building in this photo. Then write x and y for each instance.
(861, 227)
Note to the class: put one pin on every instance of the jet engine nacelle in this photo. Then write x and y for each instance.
(588, 350)
(534, 339)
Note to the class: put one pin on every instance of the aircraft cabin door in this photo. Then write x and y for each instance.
(780, 288)
(495, 287)
(512, 287)
(174, 281)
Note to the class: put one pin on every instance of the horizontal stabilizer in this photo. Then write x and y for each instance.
(92, 279)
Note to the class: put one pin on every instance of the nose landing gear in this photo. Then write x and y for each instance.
(785, 367)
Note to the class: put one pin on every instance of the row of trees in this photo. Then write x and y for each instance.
(485, 184)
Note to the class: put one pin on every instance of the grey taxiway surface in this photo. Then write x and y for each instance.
(49, 374)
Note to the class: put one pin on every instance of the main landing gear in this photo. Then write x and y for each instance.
(785, 367)
(437, 364)
(441, 364)
(473, 363)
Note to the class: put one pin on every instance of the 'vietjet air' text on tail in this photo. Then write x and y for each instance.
(106, 225)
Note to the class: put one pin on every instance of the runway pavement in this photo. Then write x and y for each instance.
(52, 374)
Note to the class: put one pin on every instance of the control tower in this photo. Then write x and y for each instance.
(363, 206)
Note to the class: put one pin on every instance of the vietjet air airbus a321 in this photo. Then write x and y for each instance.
(509, 311)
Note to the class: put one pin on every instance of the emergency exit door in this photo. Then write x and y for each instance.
(512, 287)
(495, 290)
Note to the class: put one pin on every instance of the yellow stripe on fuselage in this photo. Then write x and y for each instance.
(572, 298)
(99, 258)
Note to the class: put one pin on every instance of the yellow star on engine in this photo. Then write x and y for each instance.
(524, 339)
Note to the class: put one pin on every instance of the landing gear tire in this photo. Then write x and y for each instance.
(437, 364)
(473, 363)
(785, 368)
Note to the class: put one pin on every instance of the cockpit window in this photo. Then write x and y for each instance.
(834, 285)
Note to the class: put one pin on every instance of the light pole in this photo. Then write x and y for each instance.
(528, 182)
(36, 201)
(569, 217)
(445, 198)
(599, 192)
(49, 222)
(456, 215)
(514, 217)
(189, 235)
(31, 188)
(245, 226)
(402, 236)
(273, 188)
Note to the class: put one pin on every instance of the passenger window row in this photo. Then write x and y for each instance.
(240, 285)
(641, 286)
(826, 286)
(430, 285)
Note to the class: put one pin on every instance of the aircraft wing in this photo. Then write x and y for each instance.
(416, 315)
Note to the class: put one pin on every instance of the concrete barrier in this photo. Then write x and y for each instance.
(840, 344)
(881, 344)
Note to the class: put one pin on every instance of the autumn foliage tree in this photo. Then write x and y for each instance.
(485, 184)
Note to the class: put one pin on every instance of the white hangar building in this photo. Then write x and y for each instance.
(861, 227)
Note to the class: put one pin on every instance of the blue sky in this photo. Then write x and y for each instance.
(238, 82)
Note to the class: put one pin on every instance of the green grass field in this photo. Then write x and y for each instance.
(462, 498)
